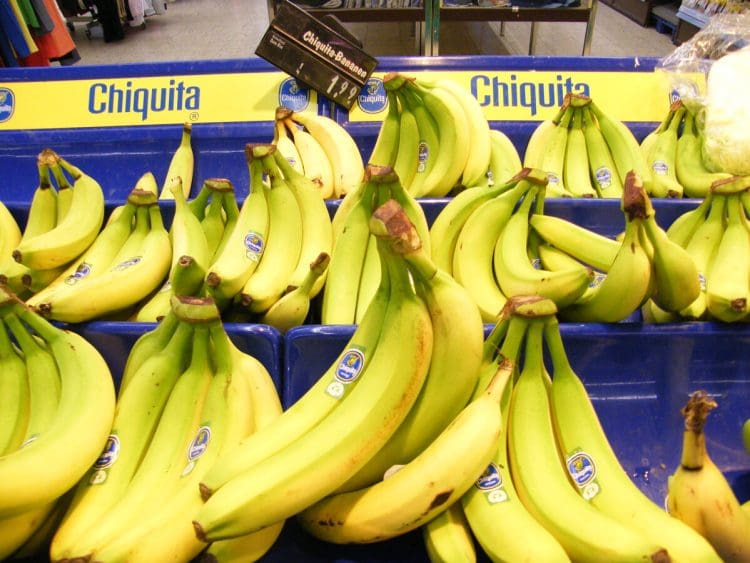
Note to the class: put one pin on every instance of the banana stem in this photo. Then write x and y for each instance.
(695, 413)
(222, 355)
(558, 355)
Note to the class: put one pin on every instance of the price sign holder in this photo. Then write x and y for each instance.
(323, 55)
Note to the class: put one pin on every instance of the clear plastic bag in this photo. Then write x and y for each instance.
(711, 75)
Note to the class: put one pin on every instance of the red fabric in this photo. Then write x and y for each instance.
(58, 42)
(35, 59)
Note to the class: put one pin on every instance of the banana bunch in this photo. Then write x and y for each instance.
(554, 489)
(397, 395)
(482, 238)
(584, 151)
(699, 495)
(320, 149)
(188, 395)
(124, 263)
(62, 223)
(643, 268)
(674, 155)
(57, 403)
(436, 138)
(716, 235)
(354, 270)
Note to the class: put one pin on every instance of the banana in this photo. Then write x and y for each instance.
(427, 141)
(675, 274)
(628, 280)
(407, 159)
(286, 146)
(478, 160)
(595, 470)
(292, 308)
(539, 140)
(538, 474)
(515, 272)
(313, 466)
(422, 488)
(698, 493)
(447, 537)
(244, 248)
(691, 172)
(213, 219)
(602, 165)
(243, 549)
(79, 427)
(727, 291)
(149, 343)
(95, 261)
(14, 395)
(447, 226)
(185, 279)
(315, 162)
(473, 255)
(73, 235)
(502, 525)
(552, 157)
(552, 258)
(587, 246)
(18, 528)
(702, 248)
(505, 161)
(334, 385)
(283, 246)
(453, 144)
(64, 187)
(457, 349)
(187, 235)
(182, 165)
(316, 224)
(43, 380)
(43, 207)
(623, 145)
(225, 418)
(37, 544)
(662, 155)
(340, 148)
(140, 403)
(164, 459)
(576, 177)
(348, 255)
(683, 227)
(140, 267)
(386, 144)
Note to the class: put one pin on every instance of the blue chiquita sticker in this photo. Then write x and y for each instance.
(125, 264)
(582, 470)
(350, 366)
(199, 445)
(372, 98)
(106, 459)
(490, 479)
(293, 95)
(7, 104)
(253, 245)
(83, 270)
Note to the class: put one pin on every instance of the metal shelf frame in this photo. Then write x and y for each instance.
(427, 19)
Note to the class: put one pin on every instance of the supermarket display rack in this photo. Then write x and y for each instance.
(638, 375)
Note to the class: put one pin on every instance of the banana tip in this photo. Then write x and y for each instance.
(199, 533)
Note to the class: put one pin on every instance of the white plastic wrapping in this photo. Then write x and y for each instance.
(720, 55)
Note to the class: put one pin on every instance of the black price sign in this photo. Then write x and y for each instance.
(325, 59)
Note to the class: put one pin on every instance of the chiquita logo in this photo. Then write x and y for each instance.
(199, 444)
(372, 98)
(350, 366)
(581, 468)
(293, 95)
(109, 454)
(490, 479)
(7, 103)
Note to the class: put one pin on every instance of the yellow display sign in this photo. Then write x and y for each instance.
(514, 95)
(150, 100)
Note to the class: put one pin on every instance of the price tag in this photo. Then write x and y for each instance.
(315, 53)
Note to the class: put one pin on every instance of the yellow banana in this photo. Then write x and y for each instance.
(181, 165)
